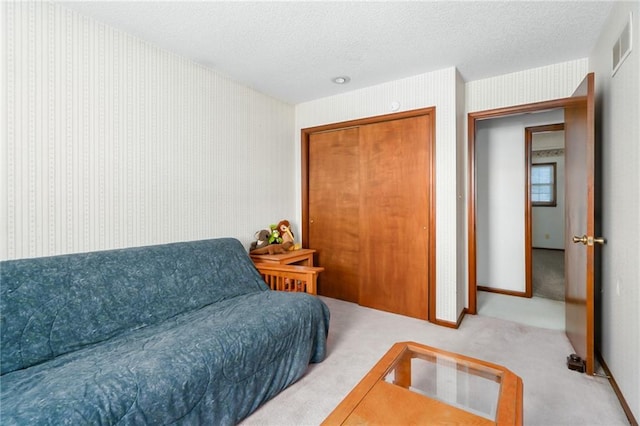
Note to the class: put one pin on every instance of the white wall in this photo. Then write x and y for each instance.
(547, 222)
(111, 142)
(618, 124)
(437, 89)
(500, 205)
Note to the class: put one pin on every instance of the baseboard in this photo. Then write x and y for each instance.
(618, 392)
(451, 324)
(547, 248)
(501, 291)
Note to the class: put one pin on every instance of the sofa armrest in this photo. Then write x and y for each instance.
(290, 277)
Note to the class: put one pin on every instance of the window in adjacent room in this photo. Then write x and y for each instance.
(543, 184)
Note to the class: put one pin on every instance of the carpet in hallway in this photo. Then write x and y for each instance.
(548, 273)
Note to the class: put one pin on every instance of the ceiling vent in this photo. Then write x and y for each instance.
(622, 47)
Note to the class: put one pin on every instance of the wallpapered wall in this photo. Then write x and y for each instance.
(528, 86)
(617, 118)
(111, 142)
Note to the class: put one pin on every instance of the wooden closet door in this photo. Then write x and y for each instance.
(394, 194)
(334, 211)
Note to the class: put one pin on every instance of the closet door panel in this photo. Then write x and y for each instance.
(394, 185)
(334, 211)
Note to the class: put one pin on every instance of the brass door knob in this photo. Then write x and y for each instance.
(588, 241)
(582, 239)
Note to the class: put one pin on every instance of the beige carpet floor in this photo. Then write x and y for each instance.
(534, 311)
(553, 394)
(548, 273)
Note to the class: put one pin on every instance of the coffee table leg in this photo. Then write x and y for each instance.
(403, 372)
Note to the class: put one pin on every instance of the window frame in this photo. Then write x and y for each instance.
(554, 184)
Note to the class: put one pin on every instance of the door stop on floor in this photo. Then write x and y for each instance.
(574, 362)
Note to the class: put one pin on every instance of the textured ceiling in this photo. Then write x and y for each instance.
(292, 50)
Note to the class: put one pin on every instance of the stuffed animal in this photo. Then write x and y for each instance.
(279, 239)
(287, 236)
(269, 249)
(262, 244)
(262, 239)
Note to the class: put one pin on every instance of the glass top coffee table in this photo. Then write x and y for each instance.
(417, 384)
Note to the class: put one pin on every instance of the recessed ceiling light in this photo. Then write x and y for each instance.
(343, 79)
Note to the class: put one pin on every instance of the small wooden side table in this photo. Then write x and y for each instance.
(296, 278)
(302, 257)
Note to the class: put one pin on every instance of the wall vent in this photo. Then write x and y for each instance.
(622, 47)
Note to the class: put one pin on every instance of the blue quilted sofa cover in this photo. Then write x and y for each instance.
(183, 333)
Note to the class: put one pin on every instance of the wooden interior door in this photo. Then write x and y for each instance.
(579, 221)
(334, 211)
(394, 194)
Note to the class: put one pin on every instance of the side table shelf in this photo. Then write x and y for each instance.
(295, 278)
(300, 257)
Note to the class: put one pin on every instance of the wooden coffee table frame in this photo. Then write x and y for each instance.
(375, 401)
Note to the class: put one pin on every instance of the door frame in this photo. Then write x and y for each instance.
(431, 245)
(472, 118)
(528, 207)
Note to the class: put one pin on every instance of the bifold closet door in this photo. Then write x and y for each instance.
(394, 193)
(334, 211)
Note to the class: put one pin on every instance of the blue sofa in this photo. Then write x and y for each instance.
(184, 333)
